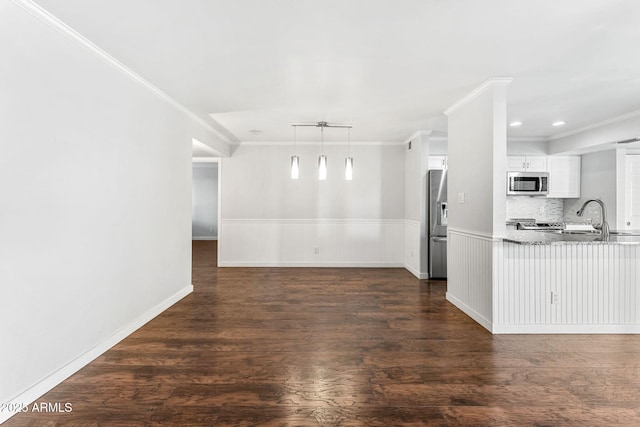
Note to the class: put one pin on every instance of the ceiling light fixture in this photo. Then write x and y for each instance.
(322, 160)
(348, 162)
(559, 123)
(295, 160)
(515, 124)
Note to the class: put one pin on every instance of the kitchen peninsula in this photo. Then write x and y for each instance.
(551, 282)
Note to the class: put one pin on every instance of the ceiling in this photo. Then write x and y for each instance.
(389, 67)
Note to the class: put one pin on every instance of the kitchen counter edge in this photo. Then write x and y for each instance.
(525, 237)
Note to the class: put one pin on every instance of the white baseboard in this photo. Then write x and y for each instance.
(415, 272)
(204, 238)
(485, 323)
(567, 329)
(33, 393)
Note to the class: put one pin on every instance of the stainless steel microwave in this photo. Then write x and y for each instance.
(527, 183)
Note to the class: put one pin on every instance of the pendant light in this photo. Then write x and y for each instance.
(295, 160)
(322, 160)
(348, 162)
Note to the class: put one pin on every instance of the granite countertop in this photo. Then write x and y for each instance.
(528, 237)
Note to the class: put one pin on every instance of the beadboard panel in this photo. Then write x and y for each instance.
(412, 247)
(596, 285)
(292, 243)
(470, 274)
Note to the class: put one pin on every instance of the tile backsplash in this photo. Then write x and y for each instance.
(540, 208)
(591, 212)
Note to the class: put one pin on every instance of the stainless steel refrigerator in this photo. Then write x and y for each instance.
(437, 220)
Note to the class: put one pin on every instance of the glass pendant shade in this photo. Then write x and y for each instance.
(322, 167)
(348, 168)
(295, 167)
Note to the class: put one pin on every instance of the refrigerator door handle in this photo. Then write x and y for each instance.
(439, 239)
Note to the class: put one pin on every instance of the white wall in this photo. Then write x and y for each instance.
(204, 201)
(598, 180)
(477, 168)
(527, 148)
(415, 204)
(601, 135)
(269, 219)
(95, 184)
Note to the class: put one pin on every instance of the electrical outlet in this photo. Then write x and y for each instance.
(461, 197)
(316, 250)
(555, 297)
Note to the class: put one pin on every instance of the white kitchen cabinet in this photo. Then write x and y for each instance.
(437, 162)
(527, 163)
(564, 176)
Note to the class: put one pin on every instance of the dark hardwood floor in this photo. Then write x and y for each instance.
(334, 347)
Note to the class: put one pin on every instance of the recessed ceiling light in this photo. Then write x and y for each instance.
(515, 124)
(559, 123)
(255, 131)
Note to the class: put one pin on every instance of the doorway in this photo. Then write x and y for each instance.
(632, 192)
(205, 205)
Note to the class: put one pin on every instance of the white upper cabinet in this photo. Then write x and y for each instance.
(527, 163)
(437, 162)
(564, 176)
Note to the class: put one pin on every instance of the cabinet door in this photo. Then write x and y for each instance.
(564, 176)
(536, 163)
(516, 163)
(437, 162)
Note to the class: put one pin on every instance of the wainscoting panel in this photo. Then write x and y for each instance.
(567, 288)
(300, 243)
(470, 274)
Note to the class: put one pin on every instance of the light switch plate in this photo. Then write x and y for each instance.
(461, 197)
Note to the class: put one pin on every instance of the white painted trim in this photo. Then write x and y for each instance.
(412, 270)
(496, 81)
(205, 160)
(417, 134)
(314, 144)
(314, 221)
(46, 384)
(204, 238)
(204, 147)
(527, 139)
(476, 234)
(566, 329)
(596, 125)
(49, 19)
(482, 321)
(311, 264)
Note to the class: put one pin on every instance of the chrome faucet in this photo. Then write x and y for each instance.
(604, 226)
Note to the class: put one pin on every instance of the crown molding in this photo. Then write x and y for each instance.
(333, 143)
(596, 125)
(43, 15)
(527, 139)
(496, 81)
(417, 134)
